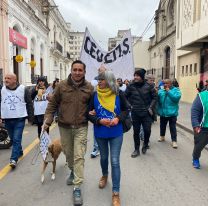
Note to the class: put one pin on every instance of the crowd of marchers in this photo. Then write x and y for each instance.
(107, 102)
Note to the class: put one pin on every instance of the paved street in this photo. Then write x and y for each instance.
(184, 118)
(164, 176)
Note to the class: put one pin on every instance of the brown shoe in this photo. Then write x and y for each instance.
(103, 182)
(116, 199)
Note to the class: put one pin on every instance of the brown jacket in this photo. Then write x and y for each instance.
(72, 103)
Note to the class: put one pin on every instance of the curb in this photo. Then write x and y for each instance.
(190, 131)
(182, 126)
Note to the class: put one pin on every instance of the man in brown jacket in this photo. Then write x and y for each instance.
(71, 98)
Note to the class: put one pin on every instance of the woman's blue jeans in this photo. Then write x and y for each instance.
(15, 129)
(115, 148)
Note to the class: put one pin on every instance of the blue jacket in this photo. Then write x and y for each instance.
(168, 102)
(121, 111)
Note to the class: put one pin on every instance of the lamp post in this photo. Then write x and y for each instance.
(46, 8)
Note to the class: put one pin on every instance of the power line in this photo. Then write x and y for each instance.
(151, 21)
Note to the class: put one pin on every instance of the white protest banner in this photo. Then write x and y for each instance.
(44, 142)
(119, 60)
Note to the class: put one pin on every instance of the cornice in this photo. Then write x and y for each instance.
(58, 22)
(23, 6)
(165, 38)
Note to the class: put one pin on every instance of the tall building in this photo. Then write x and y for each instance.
(192, 46)
(4, 58)
(141, 55)
(75, 44)
(162, 44)
(113, 42)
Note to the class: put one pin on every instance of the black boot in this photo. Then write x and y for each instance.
(135, 153)
(144, 149)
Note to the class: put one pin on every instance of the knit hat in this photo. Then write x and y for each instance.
(140, 72)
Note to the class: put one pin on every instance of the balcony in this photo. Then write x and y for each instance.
(68, 55)
(59, 47)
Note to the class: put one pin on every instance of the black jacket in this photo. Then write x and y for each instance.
(141, 102)
(125, 108)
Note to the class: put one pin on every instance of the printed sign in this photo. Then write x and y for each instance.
(17, 38)
(44, 142)
(119, 60)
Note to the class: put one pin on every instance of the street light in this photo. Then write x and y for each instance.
(46, 7)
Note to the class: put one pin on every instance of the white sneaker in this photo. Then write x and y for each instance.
(13, 164)
(161, 139)
(95, 153)
(174, 145)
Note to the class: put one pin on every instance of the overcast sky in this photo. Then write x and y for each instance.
(105, 17)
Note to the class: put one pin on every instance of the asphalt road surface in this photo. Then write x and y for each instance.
(162, 177)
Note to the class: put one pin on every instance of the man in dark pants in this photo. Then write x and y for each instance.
(199, 120)
(16, 105)
(142, 98)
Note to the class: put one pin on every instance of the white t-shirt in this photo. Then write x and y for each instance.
(13, 103)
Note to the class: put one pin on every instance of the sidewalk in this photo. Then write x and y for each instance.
(184, 118)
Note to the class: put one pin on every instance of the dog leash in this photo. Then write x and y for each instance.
(35, 156)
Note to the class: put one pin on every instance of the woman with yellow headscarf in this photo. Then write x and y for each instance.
(108, 108)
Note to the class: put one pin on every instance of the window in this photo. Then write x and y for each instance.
(195, 68)
(190, 71)
(182, 71)
(186, 69)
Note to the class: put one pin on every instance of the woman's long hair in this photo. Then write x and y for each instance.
(110, 79)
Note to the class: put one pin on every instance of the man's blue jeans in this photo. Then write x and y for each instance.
(115, 149)
(15, 129)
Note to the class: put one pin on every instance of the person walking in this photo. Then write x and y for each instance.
(16, 105)
(95, 152)
(108, 108)
(199, 120)
(168, 105)
(121, 85)
(142, 97)
(40, 96)
(71, 98)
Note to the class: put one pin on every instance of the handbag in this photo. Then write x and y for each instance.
(127, 124)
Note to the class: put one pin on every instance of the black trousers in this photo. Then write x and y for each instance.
(172, 126)
(200, 141)
(146, 122)
(39, 121)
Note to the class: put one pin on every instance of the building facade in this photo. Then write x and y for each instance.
(28, 37)
(75, 42)
(141, 54)
(113, 42)
(162, 44)
(37, 32)
(59, 55)
(192, 46)
(4, 58)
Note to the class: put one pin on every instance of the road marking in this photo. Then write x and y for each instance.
(7, 168)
